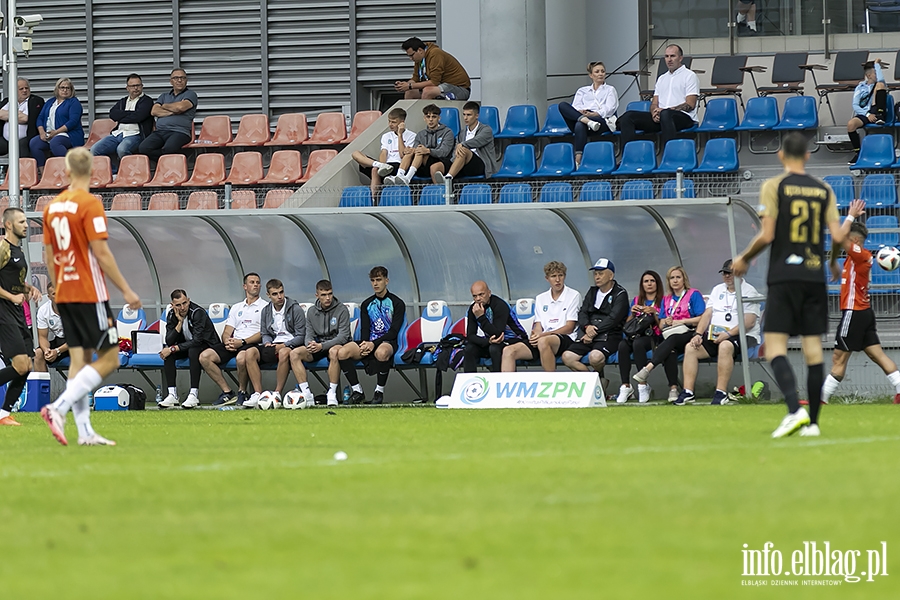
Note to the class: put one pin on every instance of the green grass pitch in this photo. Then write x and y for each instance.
(625, 502)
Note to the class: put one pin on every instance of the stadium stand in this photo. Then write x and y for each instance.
(518, 162)
(284, 167)
(203, 201)
(554, 124)
(291, 130)
(246, 169)
(399, 195)
(432, 195)
(593, 191)
(28, 176)
(521, 122)
(721, 116)
(253, 130)
(719, 156)
(243, 199)
(317, 160)
(134, 171)
(557, 191)
(54, 176)
(126, 201)
(101, 175)
(727, 78)
(799, 113)
(513, 193)
(215, 132)
(330, 129)
(599, 158)
(876, 152)
(450, 118)
(678, 154)
(638, 158)
(356, 196)
(843, 189)
(879, 191)
(209, 171)
(760, 114)
(171, 170)
(164, 201)
(275, 198)
(557, 160)
(637, 189)
(475, 193)
(361, 122)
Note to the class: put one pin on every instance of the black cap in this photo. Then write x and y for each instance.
(869, 65)
(726, 267)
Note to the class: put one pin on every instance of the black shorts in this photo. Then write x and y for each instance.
(564, 343)
(317, 356)
(856, 331)
(473, 168)
(89, 325)
(797, 308)
(268, 355)
(225, 354)
(608, 347)
(712, 348)
(367, 171)
(432, 160)
(15, 335)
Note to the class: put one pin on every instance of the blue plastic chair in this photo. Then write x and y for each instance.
(799, 113)
(558, 160)
(876, 152)
(719, 156)
(489, 115)
(668, 189)
(518, 162)
(397, 195)
(760, 114)
(432, 195)
(638, 158)
(521, 122)
(475, 193)
(637, 189)
(593, 191)
(721, 115)
(514, 193)
(876, 240)
(598, 158)
(678, 153)
(882, 277)
(554, 124)
(557, 191)
(639, 105)
(879, 190)
(357, 196)
(843, 189)
(450, 118)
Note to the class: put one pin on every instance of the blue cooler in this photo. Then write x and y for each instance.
(111, 397)
(36, 393)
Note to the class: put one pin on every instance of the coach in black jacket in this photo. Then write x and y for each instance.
(35, 104)
(600, 320)
(189, 331)
(490, 326)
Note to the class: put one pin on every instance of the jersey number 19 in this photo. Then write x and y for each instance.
(60, 226)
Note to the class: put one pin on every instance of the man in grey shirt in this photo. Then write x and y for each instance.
(474, 155)
(174, 112)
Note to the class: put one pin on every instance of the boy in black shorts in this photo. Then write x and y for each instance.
(433, 149)
(794, 208)
(474, 155)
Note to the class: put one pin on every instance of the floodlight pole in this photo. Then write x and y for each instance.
(12, 86)
(738, 294)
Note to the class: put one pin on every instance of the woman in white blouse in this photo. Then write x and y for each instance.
(594, 108)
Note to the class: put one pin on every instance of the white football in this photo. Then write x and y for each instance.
(888, 258)
(294, 400)
(267, 401)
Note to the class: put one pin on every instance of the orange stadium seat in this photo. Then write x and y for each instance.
(100, 128)
(275, 198)
(126, 202)
(54, 177)
(243, 199)
(246, 168)
(209, 170)
(27, 174)
(42, 203)
(330, 129)
(4, 203)
(215, 132)
(134, 171)
(317, 160)
(361, 121)
(285, 167)
(171, 170)
(291, 130)
(101, 175)
(253, 130)
(203, 201)
(164, 201)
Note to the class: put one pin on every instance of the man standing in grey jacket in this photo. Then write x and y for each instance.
(474, 155)
(282, 324)
(432, 150)
(327, 330)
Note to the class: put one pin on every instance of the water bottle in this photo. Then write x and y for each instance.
(91, 400)
(159, 398)
(347, 394)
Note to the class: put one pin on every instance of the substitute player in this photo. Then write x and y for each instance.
(75, 237)
(794, 207)
(856, 331)
(15, 336)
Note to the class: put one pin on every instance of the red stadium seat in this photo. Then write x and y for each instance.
(209, 171)
(100, 128)
(317, 160)
(243, 199)
(215, 132)
(330, 129)
(285, 167)
(246, 169)
(275, 198)
(203, 201)
(101, 175)
(54, 177)
(27, 174)
(134, 171)
(253, 130)
(126, 202)
(291, 130)
(361, 121)
(164, 201)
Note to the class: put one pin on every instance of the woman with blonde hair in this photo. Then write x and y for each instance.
(59, 124)
(594, 107)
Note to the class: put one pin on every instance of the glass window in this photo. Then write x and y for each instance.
(133, 265)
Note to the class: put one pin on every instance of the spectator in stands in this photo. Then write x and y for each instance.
(717, 336)
(174, 111)
(746, 12)
(189, 331)
(30, 106)
(242, 332)
(381, 318)
(600, 319)
(475, 155)
(682, 308)
(594, 107)
(437, 75)
(52, 345)
(674, 104)
(394, 145)
(555, 320)
(134, 123)
(58, 124)
(283, 327)
(647, 302)
(327, 330)
(433, 150)
(491, 326)
(869, 103)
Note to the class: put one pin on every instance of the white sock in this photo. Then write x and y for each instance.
(78, 387)
(751, 25)
(831, 385)
(195, 392)
(410, 173)
(82, 411)
(718, 390)
(4, 413)
(304, 387)
(173, 392)
(332, 388)
(357, 388)
(401, 172)
(688, 392)
(378, 164)
(379, 388)
(894, 378)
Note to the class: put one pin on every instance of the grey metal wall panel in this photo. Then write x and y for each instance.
(381, 26)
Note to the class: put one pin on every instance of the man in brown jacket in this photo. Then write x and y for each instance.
(437, 75)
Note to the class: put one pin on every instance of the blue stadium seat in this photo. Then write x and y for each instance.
(558, 160)
(679, 153)
(668, 189)
(843, 189)
(799, 113)
(356, 196)
(130, 320)
(879, 190)
(886, 278)
(450, 118)
(719, 156)
(518, 162)
(557, 191)
(721, 115)
(396, 195)
(760, 114)
(432, 326)
(432, 195)
(876, 152)
(834, 287)
(554, 124)
(595, 191)
(490, 116)
(513, 193)
(599, 158)
(521, 122)
(637, 189)
(876, 240)
(475, 193)
(639, 105)
(638, 158)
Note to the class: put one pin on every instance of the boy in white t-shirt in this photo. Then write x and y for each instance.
(397, 142)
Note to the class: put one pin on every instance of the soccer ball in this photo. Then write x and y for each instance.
(294, 399)
(267, 400)
(888, 258)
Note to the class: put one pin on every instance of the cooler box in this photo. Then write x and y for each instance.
(36, 393)
(111, 397)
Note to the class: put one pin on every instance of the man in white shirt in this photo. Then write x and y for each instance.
(674, 105)
(132, 113)
(395, 144)
(717, 335)
(51, 338)
(30, 106)
(555, 321)
(242, 332)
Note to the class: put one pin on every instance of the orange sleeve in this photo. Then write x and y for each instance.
(94, 220)
(48, 237)
(858, 254)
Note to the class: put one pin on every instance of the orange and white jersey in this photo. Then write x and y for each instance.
(71, 222)
(855, 279)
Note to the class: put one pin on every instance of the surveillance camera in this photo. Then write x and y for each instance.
(28, 20)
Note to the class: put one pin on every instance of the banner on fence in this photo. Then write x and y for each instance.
(526, 390)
